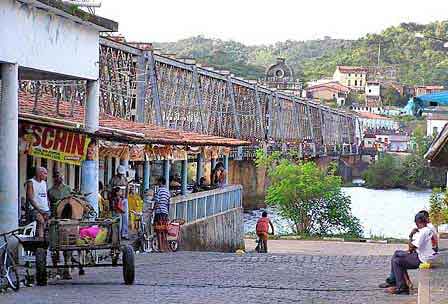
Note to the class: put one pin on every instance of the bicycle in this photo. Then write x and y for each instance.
(8, 266)
(144, 233)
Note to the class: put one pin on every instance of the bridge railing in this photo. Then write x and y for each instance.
(197, 206)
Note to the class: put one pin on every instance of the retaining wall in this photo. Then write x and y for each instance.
(222, 232)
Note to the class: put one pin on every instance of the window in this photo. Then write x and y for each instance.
(348, 82)
(356, 83)
(370, 90)
(356, 75)
(349, 74)
(360, 83)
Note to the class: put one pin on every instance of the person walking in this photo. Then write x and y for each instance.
(36, 196)
(161, 211)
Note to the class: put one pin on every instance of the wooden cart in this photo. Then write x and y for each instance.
(63, 236)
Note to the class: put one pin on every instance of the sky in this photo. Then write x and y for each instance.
(264, 21)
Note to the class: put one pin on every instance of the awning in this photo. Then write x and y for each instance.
(112, 128)
(438, 151)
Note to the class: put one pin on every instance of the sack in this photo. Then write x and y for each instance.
(101, 237)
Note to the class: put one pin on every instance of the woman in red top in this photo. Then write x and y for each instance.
(262, 230)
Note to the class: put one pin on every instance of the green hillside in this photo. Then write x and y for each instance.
(417, 61)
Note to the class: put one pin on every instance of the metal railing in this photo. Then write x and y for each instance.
(196, 206)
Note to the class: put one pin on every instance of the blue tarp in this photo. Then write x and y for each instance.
(416, 105)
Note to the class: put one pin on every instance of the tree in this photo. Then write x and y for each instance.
(312, 199)
(384, 173)
(438, 209)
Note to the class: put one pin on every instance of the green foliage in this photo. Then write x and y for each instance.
(384, 173)
(438, 209)
(418, 61)
(309, 197)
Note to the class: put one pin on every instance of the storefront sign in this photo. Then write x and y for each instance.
(54, 143)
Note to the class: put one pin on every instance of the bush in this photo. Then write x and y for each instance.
(438, 207)
(384, 173)
(312, 199)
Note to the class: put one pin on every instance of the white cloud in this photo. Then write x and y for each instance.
(265, 21)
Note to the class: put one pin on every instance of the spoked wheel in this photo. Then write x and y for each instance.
(155, 244)
(11, 273)
(128, 264)
(174, 245)
(41, 267)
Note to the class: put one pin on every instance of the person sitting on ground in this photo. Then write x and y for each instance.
(161, 211)
(37, 197)
(262, 229)
(420, 251)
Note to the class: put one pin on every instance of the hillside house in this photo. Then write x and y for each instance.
(328, 92)
(354, 77)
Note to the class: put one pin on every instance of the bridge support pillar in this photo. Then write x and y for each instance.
(9, 139)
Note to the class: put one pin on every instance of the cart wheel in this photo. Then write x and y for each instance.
(128, 264)
(41, 267)
(174, 245)
(155, 244)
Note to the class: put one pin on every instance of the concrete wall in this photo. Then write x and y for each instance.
(223, 232)
(38, 40)
(253, 180)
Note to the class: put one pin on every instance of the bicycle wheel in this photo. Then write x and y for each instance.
(11, 272)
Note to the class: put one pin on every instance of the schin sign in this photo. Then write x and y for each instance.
(53, 143)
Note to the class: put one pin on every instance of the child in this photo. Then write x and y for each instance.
(435, 238)
(117, 206)
(262, 230)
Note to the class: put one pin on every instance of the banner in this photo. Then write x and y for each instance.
(54, 143)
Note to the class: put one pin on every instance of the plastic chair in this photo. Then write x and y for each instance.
(27, 231)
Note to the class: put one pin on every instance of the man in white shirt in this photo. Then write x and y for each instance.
(36, 196)
(420, 251)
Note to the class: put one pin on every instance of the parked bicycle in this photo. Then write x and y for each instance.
(9, 274)
(145, 234)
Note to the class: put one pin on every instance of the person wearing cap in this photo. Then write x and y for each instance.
(119, 180)
(420, 251)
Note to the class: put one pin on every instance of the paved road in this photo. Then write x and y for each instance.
(194, 277)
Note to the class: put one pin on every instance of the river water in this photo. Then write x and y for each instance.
(384, 213)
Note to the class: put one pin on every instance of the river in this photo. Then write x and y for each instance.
(384, 213)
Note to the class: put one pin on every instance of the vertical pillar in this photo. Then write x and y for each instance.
(213, 164)
(226, 167)
(184, 172)
(166, 172)
(146, 174)
(199, 167)
(90, 168)
(9, 139)
(141, 85)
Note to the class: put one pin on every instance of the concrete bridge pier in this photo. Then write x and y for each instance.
(9, 138)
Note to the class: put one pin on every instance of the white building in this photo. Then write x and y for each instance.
(369, 120)
(435, 123)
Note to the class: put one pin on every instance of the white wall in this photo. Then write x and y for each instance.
(35, 39)
(431, 124)
(372, 90)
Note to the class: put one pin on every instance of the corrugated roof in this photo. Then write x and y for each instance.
(351, 69)
(114, 127)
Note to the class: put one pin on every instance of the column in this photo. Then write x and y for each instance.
(199, 168)
(90, 168)
(226, 167)
(184, 172)
(166, 172)
(213, 165)
(146, 174)
(9, 139)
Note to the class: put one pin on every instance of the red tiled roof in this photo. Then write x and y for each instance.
(151, 133)
(371, 115)
(351, 69)
(333, 86)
